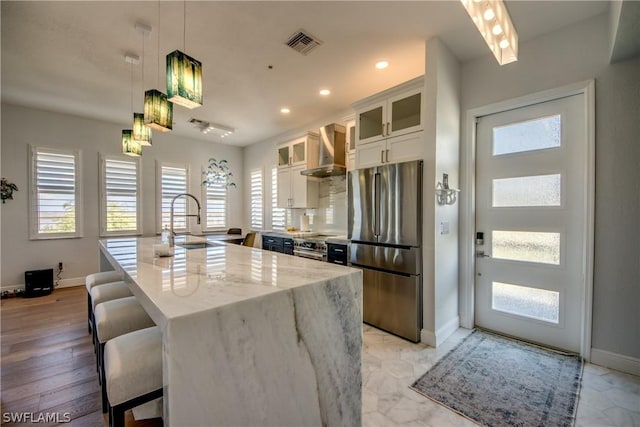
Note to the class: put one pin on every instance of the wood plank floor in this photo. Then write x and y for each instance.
(47, 361)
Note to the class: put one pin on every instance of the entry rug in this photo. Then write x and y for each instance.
(496, 381)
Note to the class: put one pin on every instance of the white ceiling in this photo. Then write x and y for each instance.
(69, 56)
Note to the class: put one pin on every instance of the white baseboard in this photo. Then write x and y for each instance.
(64, 283)
(73, 281)
(428, 337)
(441, 335)
(619, 362)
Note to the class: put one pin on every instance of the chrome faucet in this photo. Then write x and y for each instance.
(173, 201)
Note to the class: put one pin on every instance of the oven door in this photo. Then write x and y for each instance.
(319, 256)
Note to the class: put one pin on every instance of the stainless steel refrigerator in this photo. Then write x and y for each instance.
(385, 229)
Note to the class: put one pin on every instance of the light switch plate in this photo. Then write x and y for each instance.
(444, 227)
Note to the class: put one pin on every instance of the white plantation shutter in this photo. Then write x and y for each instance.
(120, 196)
(55, 193)
(277, 214)
(257, 212)
(173, 181)
(215, 207)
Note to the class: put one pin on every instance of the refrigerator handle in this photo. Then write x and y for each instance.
(376, 202)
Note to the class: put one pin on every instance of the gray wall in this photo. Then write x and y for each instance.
(574, 54)
(24, 126)
(442, 152)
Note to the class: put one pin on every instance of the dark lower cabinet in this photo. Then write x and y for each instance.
(277, 244)
(270, 243)
(337, 254)
(287, 245)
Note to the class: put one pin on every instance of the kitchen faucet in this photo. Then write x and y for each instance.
(171, 232)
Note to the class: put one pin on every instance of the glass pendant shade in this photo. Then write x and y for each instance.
(158, 111)
(129, 146)
(141, 133)
(184, 80)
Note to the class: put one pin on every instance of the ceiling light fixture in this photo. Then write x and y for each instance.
(493, 21)
(158, 111)
(184, 74)
(129, 146)
(381, 65)
(325, 92)
(212, 128)
(141, 133)
(285, 110)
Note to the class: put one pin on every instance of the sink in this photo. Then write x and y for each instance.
(195, 245)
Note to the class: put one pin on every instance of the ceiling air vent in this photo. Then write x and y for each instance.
(303, 42)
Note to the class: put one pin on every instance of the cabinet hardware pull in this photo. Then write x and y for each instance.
(388, 128)
(382, 156)
(387, 155)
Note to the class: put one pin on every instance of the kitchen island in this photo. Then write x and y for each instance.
(250, 337)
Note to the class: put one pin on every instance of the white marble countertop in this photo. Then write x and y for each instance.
(197, 280)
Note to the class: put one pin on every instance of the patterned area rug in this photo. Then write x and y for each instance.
(496, 381)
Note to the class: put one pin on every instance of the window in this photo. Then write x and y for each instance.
(119, 195)
(173, 180)
(278, 215)
(56, 205)
(257, 213)
(215, 207)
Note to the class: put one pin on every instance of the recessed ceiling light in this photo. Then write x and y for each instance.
(285, 110)
(382, 65)
(325, 92)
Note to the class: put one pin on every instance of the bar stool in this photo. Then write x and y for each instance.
(96, 279)
(112, 319)
(133, 371)
(107, 292)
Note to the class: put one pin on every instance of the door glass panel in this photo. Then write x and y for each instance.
(541, 190)
(528, 302)
(405, 113)
(537, 134)
(526, 246)
(371, 123)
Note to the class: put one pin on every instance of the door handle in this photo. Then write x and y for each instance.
(382, 156)
(388, 128)
(481, 254)
(387, 155)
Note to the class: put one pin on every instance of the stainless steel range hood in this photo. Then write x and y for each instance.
(331, 158)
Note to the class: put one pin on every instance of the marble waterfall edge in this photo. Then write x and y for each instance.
(291, 358)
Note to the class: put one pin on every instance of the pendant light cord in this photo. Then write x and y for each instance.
(142, 66)
(158, 75)
(132, 88)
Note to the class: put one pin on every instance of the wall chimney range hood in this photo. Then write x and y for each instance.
(331, 156)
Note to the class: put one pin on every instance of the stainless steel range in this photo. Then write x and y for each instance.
(314, 247)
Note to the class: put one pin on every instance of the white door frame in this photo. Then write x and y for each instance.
(467, 200)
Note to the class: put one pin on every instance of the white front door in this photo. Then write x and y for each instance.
(531, 194)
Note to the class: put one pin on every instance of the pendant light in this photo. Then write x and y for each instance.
(141, 133)
(184, 74)
(129, 146)
(158, 111)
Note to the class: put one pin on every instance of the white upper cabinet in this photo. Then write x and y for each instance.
(294, 189)
(350, 146)
(300, 151)
(389, 124)
(395, 112)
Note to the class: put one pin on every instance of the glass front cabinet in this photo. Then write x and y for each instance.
(395, 113)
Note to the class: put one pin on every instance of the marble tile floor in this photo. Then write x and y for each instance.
(391, 365)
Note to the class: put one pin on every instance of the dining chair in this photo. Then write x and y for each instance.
(249, 239)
